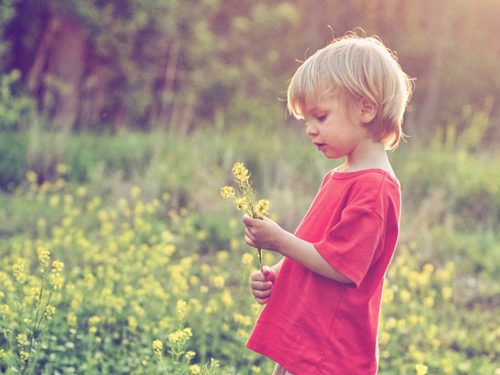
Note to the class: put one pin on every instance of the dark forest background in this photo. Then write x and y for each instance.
(144, 64)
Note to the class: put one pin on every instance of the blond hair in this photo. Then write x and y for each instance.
(356, 67)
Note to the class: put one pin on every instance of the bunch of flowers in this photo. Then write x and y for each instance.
(245, 198)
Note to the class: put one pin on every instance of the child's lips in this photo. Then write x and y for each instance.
(319, 145)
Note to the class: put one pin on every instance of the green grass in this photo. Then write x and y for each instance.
(129, 257)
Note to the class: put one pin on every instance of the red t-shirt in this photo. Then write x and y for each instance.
(315, 325)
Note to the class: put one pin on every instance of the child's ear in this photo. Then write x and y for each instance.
(368, 110)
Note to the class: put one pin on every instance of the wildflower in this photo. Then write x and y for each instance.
(241, 204)
(132, 323)
(22, 340)
(18, 271)
(81, 191)
(2, 353)
(226, 297)
(228, 192)
(240, 172)
(218, 282)
(242, 319)
(50, 311)
(25, 356)
(54, 200)
(246, 201)
(190, 355)
(421, 369)
(158, 348)
(56, 280)
(135, 191)
(94, 320)
(179, 336)
(222, 255)
(31, 176)
(62, 168)
(405, 295)
(72, 319)
(247, 259)
(262, 207)
(195, 369)
(447, 293)
(57, 266)
(181, 308)
(385, 338)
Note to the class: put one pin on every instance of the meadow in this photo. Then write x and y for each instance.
(129, 261)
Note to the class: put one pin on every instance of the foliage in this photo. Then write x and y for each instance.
(15, 106)
(136, 242)
(184, 64)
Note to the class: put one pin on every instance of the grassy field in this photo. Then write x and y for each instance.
(150, 251)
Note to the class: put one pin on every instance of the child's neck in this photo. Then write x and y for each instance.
(367, 156)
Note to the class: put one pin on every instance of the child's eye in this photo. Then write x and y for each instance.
(321, 118)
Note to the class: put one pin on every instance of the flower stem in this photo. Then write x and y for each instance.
(260, 260)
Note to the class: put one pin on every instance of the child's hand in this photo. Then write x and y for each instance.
(262, 284)
(262, 233)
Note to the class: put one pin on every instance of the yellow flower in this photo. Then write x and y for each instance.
(132, 323)
(179, 336)
(195, 369)
(18, 271)
(181, 308)
(421, 369)
(405, 295)
(57, 266)
(240, 172)
(31, 176)
(158, 347)
(228, 192)
(62, 168)
(190, 355)
(94, 320)
(43, 256)
(218, 282)
(56, 280)
(81, 191)
(72, 319)
(247, 259)
(242, 319)
(262, 207)
(135, 191)
(50, 311)
(241, 204)
(24, 355)
(447, 293)
(22, 339)
(226, 298)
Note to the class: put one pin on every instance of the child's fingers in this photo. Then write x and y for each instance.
(259, 276)
(261, 301)
(261, 293)
(261, 285)
(247, 220)
(269, 273)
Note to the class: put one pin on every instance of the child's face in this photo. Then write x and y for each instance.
(334, 127)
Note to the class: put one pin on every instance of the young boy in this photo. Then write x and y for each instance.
(323, 299)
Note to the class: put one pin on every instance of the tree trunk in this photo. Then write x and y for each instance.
(429, 109)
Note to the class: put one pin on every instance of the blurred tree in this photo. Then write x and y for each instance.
(148, 63)
(183, 63)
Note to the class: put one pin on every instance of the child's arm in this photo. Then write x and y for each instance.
(266, 234)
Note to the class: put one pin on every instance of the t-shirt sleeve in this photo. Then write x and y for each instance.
(351, 244)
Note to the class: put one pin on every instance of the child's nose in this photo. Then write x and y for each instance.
(311, 130)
